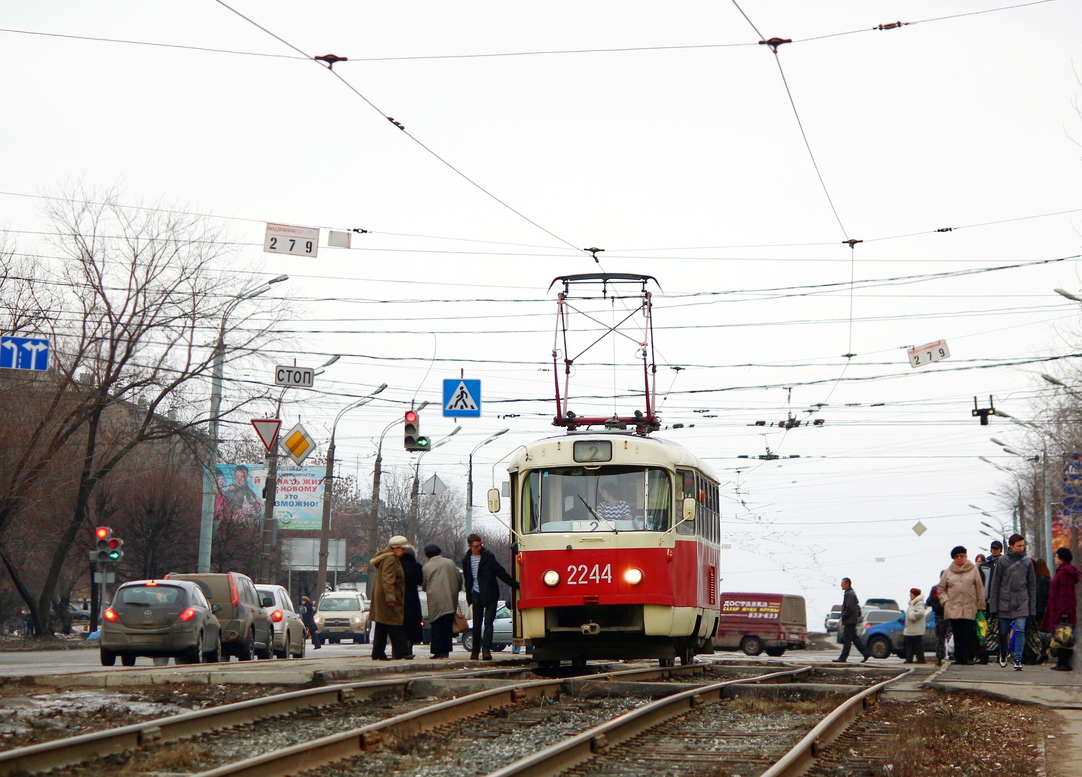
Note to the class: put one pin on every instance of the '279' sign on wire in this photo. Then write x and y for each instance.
(926, 354)
(284, 239)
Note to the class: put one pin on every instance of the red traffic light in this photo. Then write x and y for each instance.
(411, 416)
(103, 533)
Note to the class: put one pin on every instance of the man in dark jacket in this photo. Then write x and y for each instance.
(1012, 597)
(482, 573)
(850, 618)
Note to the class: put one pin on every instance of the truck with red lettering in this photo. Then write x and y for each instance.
(761, 622)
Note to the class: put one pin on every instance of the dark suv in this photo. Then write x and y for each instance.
(246, 626)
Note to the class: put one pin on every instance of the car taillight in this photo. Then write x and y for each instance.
(187, 615)
(277, 616)
(110, 615)
(233, 595)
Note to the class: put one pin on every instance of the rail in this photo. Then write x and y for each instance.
(84, 747)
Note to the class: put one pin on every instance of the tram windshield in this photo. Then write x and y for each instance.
(565, 499)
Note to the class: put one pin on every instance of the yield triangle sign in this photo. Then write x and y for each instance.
(267, 429)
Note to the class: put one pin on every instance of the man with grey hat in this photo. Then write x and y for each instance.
(388, 608)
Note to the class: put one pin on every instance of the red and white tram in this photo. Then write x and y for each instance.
(617, 548)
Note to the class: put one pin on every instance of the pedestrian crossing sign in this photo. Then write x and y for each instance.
(461, 398)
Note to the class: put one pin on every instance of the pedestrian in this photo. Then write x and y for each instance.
(1061, 604)
(913, 634)
(942, 625)
(413, 622)
(482, 573)
(308, 618)
(991, 635)
(29, 627)
(442, 584)
(850, 618)
(1034, 652)
(388, 608)
(1012, 597)
(962, 595)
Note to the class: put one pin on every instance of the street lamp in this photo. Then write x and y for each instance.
(469, 480)
(271, 486)
(412, 532)
(328, 480)
(373, 510)
(207, 525)
(1043, 528)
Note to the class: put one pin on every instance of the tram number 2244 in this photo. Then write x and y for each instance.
(583, 574)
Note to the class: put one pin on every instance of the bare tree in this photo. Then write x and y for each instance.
(132, 303)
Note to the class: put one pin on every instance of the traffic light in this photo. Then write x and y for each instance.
(103, 535)
(116, 551)
(412, 433)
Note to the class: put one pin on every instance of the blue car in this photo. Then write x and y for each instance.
(885, 639)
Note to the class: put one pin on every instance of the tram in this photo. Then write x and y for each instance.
(617, 551)
(615, 533)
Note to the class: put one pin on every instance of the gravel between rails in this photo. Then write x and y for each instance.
(479, 745)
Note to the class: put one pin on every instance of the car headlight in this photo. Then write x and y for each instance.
(551, 578)
(357, 621)
(633, 576)
(318, 620)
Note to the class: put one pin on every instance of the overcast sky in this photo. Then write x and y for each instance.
(668, 136)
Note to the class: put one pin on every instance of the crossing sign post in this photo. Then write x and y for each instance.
(24, 353)
(461, 398)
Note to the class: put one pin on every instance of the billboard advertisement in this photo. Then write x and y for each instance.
(235, 498)
(298, 503)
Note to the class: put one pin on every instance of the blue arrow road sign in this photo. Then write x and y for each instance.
(24, 353)
(461, 398)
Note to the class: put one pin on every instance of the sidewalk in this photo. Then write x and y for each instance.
(1060, 692)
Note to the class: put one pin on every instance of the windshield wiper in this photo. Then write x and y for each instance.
(597, 518)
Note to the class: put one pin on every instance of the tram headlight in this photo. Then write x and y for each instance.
(633, 576)
(551, 578)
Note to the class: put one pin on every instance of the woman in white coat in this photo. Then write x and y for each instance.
(914, 628)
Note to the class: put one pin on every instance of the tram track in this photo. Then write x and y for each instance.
(431, 739)
(272, 713)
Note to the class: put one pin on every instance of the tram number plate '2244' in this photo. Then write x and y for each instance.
(583, 574)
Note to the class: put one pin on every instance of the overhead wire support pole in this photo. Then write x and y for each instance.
(328, 493)
(207, 524)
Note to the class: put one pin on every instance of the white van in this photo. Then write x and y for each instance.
(343, 615)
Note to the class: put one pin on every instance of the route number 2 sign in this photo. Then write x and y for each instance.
(926, 354)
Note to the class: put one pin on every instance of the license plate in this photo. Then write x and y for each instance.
(146, 639)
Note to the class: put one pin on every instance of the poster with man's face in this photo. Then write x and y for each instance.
(235, 496)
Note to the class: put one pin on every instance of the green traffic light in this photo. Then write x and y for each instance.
(421, 443)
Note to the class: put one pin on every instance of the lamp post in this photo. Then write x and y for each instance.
(412, 531)
(207, 525)
(373, 510)
(328, 480)
(1043, 528)
(271, 487)
(469, 480)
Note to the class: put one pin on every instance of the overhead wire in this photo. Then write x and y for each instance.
(330, 69)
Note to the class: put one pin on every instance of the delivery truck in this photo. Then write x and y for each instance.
(756, 623)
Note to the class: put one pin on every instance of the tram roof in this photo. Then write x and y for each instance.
(667, 450)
